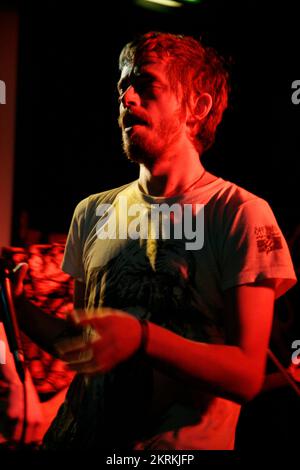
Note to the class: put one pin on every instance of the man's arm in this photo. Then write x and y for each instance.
(234, 370)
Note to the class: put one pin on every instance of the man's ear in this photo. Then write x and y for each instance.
(202, 106)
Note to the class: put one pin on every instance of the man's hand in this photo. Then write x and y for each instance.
(110, 337)
(12, 412)
(20, 272)
(12, 403)
(17, 279)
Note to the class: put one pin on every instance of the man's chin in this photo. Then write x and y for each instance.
(137, 151)
(135, 155)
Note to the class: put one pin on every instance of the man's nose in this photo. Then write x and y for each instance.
(130, 97)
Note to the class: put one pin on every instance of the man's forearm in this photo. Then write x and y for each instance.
(42, 329)
(222, 369)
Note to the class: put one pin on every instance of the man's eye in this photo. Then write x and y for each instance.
(144, 85)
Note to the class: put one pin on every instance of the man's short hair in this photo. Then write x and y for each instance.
(197, 68)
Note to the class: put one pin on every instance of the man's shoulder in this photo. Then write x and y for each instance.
(232, 200)
(232, 195)
(104, 197)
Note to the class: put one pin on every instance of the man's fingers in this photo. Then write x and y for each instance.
(20, 272)
(71, 344)
(10, 428)
(89, 334)
(89, 367)
(76, 344)
(92, 327)
(79, 315)
(36, 437)
(21, 269)
(14, 430)
(79, 356)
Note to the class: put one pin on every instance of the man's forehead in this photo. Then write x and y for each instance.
(150, 63)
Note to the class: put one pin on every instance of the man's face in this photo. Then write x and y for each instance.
(152, 118)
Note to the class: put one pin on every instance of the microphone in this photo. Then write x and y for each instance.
(9, 319)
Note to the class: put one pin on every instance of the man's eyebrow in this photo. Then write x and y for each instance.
(141, 74)
(144, 72)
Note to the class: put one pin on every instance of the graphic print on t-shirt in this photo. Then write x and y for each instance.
(153, 281)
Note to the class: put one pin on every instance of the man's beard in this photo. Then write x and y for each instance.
(147, 145)
(138, 148)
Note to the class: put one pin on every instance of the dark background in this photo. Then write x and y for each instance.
(68, 143)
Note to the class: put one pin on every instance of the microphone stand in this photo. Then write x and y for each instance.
(9, 319)
(10, 322)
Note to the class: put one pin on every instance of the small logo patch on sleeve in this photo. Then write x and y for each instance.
(268, 238)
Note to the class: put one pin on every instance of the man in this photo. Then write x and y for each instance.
(176, 380)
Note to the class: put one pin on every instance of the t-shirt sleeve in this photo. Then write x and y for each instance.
(72, 261)
(254, 249)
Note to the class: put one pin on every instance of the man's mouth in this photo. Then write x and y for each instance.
(131, 120)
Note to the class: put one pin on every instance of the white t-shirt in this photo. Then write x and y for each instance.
(221, 236)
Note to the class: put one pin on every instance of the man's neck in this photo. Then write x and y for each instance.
(169, 177)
